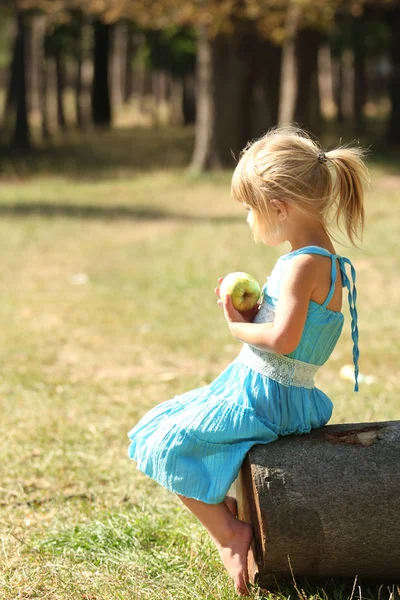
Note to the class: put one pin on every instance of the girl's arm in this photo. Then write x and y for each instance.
(284, 334)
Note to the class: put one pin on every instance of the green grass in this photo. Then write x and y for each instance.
(82, 358)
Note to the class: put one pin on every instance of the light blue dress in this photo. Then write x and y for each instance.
(195, 443)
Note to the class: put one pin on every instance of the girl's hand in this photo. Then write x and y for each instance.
(231, 314)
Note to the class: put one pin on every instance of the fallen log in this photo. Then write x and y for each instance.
(324, 504)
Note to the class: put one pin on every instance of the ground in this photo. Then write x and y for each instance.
(107, 308)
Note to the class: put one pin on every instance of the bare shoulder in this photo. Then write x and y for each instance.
(312, 272)
(303, 266)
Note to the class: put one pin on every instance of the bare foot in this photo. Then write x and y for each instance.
(234, 555)
(231, 503)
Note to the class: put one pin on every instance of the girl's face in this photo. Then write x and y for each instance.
(262, 231)
(250, 216)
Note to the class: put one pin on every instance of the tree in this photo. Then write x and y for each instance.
(393, 127)
(21, 139)
(173, 51)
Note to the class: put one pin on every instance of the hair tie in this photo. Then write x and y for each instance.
(322, 158)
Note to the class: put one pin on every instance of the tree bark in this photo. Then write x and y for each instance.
(21, 140)
(204, 156)
(338, 87)
(128, 77)
(288, 82)
(189, 100)
(348, 85)
(325, 78)
(223, 65)
(60, 87)
(324, 505)
(34, 66)
(44, 78)
(176, 101)
(307, 112)
(393, 126)
(100, 98)
(11, 94)
(118, 61)
(80, 121)
(268, 69)
(360, 84)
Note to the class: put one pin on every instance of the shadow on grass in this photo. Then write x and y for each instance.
(99, 154)
(112, 213)
(123, 152)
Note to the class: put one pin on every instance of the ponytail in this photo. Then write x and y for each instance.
(348, 193)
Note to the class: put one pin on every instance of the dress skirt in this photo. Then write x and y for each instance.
(194, 444)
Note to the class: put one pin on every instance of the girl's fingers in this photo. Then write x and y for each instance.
(220, 280)
(227, 302)
(216, 291)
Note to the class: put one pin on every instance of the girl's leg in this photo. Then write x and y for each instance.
(231, 536)
(231, 503)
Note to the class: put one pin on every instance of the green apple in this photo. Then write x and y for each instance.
(243, 289)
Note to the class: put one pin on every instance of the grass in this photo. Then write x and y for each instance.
(107, 308)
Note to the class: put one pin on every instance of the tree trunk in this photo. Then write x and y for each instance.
(325, 78)
(11, 93)
(44, 78)
(189, 100)
(118, 61)
(360, 86)
(203, 156)
(348, 86)
(268, 68)
(324, 505)
(21, 140)
(101, 102)
(287, 91)
(176, 101)
(34, 67)
(80, 121)
(128, 77)
(307, 112)
(338, 87)
(222, 70)
(393, 128)
(60, 87)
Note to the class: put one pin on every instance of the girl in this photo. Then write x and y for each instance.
(194, 444)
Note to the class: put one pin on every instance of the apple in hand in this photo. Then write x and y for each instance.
(243, 289)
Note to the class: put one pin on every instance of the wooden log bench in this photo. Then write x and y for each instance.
(325, 504)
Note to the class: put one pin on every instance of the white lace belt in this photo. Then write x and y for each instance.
(287, 371)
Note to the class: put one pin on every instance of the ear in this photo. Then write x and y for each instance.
(279, 208)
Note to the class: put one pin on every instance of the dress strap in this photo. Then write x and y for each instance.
(352, 296)
(333, 281)
(351, 289)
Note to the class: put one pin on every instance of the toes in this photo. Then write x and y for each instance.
(241, 588)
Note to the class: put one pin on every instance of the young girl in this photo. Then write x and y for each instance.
(194, 444)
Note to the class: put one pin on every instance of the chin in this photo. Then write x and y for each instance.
(272, 243)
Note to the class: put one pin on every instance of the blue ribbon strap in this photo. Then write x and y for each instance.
(352, 296)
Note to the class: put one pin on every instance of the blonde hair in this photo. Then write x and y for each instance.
(287, 165)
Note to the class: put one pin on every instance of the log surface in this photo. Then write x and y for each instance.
(328, 500)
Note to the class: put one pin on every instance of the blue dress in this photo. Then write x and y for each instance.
(194, 444)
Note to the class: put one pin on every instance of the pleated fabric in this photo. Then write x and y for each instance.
(195, 443)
